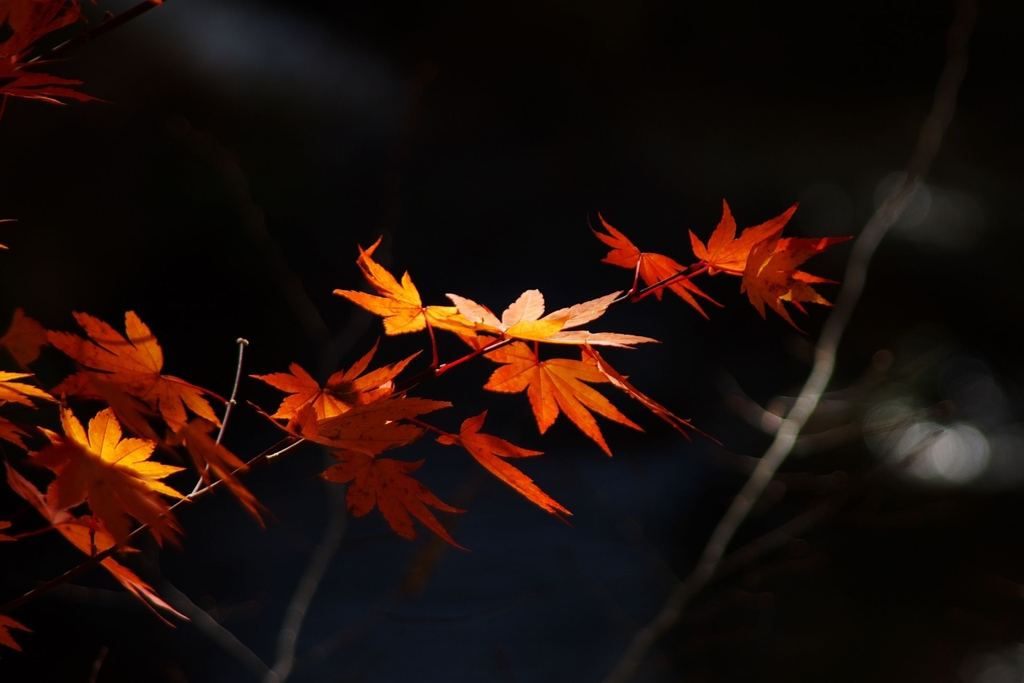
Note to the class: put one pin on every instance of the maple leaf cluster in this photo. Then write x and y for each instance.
(106, 487)
(103, 489)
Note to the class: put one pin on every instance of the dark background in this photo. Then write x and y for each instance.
(246, 148)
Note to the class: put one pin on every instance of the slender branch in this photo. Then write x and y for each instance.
(104, 27)
(633, 294)
(97, 663)
(213, 630)
(95, 559)
(232, 402)
(698, 268)
(427, 426)
(636, 278)
(305, 591)
(441, 369)
(433, 342)
(825, 356)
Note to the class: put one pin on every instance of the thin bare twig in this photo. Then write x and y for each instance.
(94, 560)
(213, 630)
(232, 402)
(97, 663)
(306, 590)
(825, 355)
(104, 27)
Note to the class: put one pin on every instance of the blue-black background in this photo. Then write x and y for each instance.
(246, 148)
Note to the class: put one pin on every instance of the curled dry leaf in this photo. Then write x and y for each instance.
(132, 366)
(490, 450)
(385, 483)
(89, 536)
(554, 385)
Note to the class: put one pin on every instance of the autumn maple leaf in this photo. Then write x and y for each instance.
(24, 338)
(554, 385)
(343, 390)
(649, 267)
(28, 21)
(115, 478)
(489, 450)
(727, 253)
(400, 304)
(210, 456)
(385, 483)
(14, 391)
(130, 365)
(104, 439)
(771, 277)
(17, 81)
(6, 637)
(12, 433)
(373, 428)
(618, 380)
(522, 320)
(89, 536)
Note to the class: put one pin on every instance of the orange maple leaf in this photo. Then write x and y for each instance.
(131, 365)
(770, 276)
(385, 483)
(12, 432)
(28, 21)
(727, 253)
(620, 381)
(651, 268)
(17, 81)
(208, 455)
(373, 428)
(400, 304)
(24, 338)
(489, 450)
(114, 480)
(522, 320)
(6, 637)
(344, 389)
(89, 536)
(104, 439)
(553, 385)
(13, 391)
